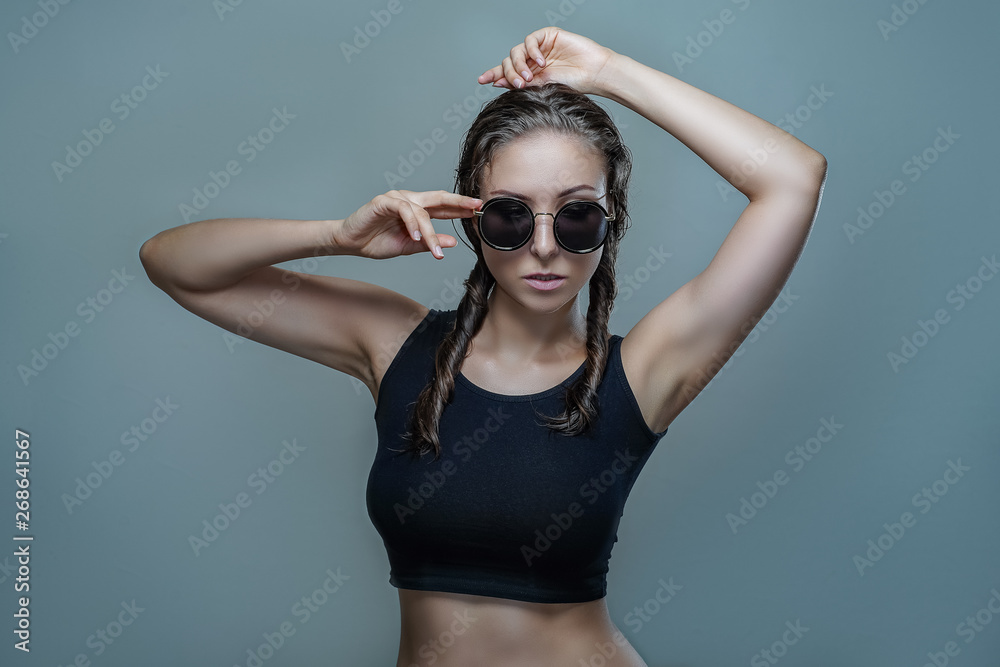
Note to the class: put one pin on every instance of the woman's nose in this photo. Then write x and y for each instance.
(544, 239)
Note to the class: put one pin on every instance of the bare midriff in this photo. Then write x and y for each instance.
(457, 630)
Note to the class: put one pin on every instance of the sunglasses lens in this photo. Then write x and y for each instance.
(581, 226)
(506, 223)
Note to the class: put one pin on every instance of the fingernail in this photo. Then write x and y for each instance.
(437, 251)
(416, 235)
(527, 74)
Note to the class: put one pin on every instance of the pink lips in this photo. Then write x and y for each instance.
(544, 285)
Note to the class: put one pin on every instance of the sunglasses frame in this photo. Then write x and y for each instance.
(555, 228)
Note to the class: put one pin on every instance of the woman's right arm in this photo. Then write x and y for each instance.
(222, 270)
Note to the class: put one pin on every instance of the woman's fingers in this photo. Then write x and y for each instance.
(447, 240)
(519, 65)
(417, 208)
(445, 205)
(507, 70)
(534, 49)
(418, 222)
(514, 71)
(494, 75)
(449, 212)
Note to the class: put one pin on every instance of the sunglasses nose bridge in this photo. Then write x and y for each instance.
(551, 215)
(552, 240)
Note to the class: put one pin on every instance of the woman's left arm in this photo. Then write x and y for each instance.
(683, 342)
(676, 349)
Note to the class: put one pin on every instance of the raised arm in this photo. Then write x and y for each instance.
(675, 350)
(222, 270)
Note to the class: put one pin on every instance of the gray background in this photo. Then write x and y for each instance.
(825, 356)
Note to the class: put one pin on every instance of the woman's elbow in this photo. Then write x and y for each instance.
(148, 259)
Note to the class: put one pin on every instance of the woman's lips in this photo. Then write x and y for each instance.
(545, 285)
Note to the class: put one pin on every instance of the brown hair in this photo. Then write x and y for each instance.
(553, 107)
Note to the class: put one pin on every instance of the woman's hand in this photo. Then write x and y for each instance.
(553, 55)
(399, 223)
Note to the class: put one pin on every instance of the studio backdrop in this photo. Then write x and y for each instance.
(188, 496)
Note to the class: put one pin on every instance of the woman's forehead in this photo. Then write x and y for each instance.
(545, 164)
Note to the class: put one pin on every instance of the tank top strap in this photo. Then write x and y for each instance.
(412, 366)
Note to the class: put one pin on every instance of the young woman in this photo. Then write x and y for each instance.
(512, 428)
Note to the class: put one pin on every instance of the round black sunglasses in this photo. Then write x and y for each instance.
(580, 226)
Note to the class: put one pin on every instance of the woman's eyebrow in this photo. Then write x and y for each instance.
(569, 191)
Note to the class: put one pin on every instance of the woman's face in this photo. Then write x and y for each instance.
(545, 171)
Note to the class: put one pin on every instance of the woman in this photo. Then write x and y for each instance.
(498, 527)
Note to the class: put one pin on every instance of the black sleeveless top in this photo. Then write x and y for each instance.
(512, 509)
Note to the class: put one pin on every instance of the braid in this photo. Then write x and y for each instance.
(581, 396)
(448, 361)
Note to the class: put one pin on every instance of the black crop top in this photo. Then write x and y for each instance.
(512, 509)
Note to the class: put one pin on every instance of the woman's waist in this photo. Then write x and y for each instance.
(450, 629)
